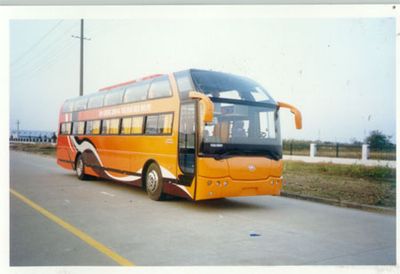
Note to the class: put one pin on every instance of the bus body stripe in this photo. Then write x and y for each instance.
(183, 188)
(85, 145)
(166, 173)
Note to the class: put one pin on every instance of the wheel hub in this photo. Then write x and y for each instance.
(79, 167)
(152, 181)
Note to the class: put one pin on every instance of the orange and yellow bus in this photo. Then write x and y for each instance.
(196, 134)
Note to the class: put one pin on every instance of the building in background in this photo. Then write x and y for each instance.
(33, 135)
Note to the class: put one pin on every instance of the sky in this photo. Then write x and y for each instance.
(339, 72)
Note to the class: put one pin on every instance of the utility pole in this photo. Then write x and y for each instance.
(17, 128)
(82, 37)
(81, 70)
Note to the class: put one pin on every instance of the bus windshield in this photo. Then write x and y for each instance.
(242, 129)
(228, 86)
(245, 117)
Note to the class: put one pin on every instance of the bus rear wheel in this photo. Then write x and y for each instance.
(80, 168)
(154, 182)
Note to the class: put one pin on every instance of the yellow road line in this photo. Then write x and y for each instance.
(80, 234)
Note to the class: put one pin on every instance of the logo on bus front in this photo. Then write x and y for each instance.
(216, 145)
(251, 168)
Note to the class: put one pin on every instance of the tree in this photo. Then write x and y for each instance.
(356, 142)
(378, 140)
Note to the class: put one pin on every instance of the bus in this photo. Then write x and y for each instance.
(195, 134)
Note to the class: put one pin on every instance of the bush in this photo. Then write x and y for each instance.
(378, 140)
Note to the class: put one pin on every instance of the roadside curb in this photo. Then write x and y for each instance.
(380, 209)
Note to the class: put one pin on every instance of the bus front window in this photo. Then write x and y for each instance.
(245, 120)
(242, 129)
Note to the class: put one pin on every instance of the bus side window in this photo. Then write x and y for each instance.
(78, 128)
(96, 127)
(68, 106)
(80, 104)
(105, 126)
(113, 98)
(89, 127)
(137, 125)
(67, 128)
(184, 82)
(159, 88)
(92, 127)
(165, 124)
(81, 127)
(95, 101)
(158, 124)
(62, 128)
(151, 124)
(137, 92)
(110, 126)
(74, 127)
(114, 126)
(126, 126)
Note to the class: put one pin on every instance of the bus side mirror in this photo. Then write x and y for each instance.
(207, 105)
(295, 111)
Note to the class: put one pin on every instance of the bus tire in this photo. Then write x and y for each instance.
(154, 182)
(80, 168)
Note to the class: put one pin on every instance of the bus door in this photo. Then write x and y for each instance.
(187, 144)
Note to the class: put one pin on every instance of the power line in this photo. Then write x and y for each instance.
(43, 54)
(37, 66)
(53, 58)
(48, 63)
(37, 43)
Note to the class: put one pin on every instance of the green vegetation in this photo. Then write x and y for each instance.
(352, 183)
(43, 149)
(378, 140)
(354, 171)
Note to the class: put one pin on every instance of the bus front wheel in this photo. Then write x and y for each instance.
(154, 182)
(80, 168)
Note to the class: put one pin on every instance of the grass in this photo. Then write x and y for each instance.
(352, 183)
(43, 149)
(383, 155)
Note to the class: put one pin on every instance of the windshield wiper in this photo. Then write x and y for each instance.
(265, 153)
(233, 152)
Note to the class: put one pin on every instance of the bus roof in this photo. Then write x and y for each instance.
(131, 82)
(205, 81)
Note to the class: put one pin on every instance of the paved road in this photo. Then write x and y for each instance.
(179, 232)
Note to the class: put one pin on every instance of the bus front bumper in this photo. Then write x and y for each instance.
(214, 188)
